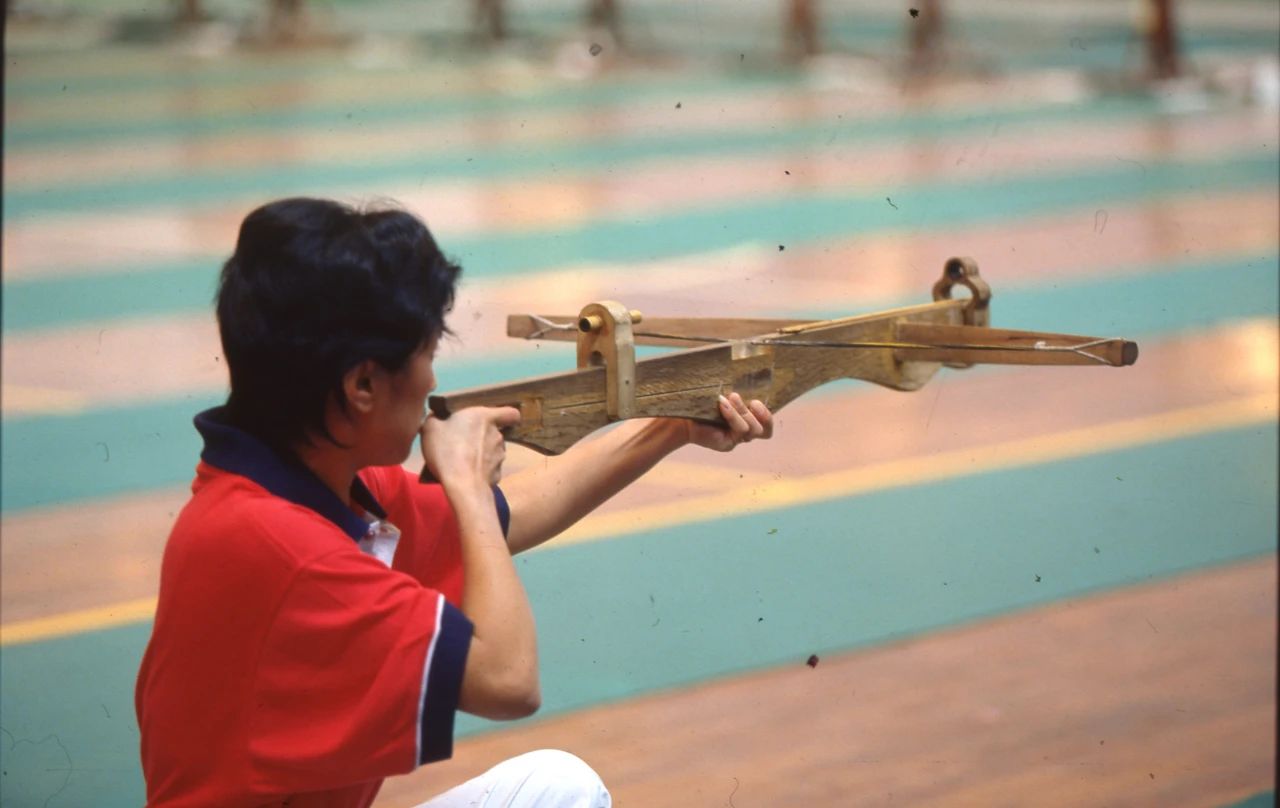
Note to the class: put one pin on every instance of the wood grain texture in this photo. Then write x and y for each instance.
(1159, 695)
(776, 367)
(676, 332)
(1002, 346)
(560, 409)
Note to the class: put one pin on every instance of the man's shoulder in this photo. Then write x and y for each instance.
(232, 516)
(220, 496)
(387, 482)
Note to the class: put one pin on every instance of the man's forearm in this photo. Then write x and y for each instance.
(550, 496)
(502, 666)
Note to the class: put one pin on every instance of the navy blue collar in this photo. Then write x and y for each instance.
(232, 449)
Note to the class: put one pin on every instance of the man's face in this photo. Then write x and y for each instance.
(405, 406)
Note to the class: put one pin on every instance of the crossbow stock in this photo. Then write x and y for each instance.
(775, 361)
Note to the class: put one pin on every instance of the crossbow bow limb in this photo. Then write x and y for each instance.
(775, 361)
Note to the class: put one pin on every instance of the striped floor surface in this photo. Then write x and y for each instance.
(1024, 586)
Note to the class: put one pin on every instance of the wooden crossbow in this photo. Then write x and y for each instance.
(775, 361)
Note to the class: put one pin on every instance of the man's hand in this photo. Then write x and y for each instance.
(468, 446)
(743, 422)
(465, 453)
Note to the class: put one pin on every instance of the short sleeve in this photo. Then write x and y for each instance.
(359, 677)
(504, 511)
(390, 484)
(430, 548)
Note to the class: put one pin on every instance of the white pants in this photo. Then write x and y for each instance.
(547, 778)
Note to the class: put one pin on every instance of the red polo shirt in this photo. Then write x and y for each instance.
(286, 665)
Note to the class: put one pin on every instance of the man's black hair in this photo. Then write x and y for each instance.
(315, 288)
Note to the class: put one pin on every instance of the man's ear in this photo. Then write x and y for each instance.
(361, 385)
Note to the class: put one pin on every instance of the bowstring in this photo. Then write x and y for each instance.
(546, 326)
(1039, 347)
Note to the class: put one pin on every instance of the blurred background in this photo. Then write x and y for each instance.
(1016, 586)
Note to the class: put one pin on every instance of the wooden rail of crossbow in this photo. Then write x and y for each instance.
(775, 361)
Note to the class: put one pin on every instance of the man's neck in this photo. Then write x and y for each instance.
(333, 465)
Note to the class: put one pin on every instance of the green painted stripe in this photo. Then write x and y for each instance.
(1002, 40)
(1023, 43)
(117, 70)
(365, 175)
(183, 286)
(354, 115)
(867, 570)
(59, 459)
(187, 286)
(696, 602)
(816, 217)
(1161, 299)
(53, 750)
(161, 72)
(1265, 799)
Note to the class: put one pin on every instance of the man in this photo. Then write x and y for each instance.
(322, 614)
